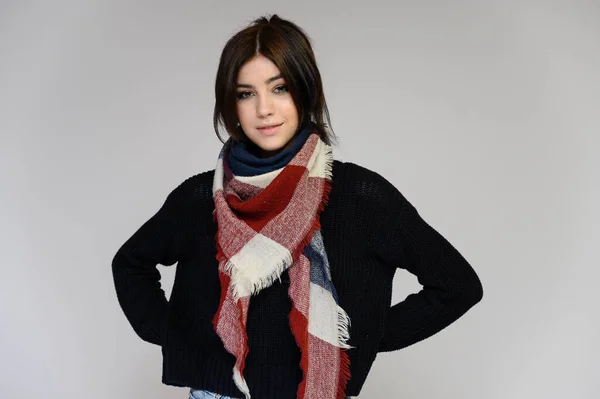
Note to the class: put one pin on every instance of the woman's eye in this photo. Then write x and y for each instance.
(281, 89)
(243, 94)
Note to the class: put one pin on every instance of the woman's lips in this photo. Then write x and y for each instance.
(269, 130)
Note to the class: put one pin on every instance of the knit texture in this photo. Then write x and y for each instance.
(369, 230)
(243, 160)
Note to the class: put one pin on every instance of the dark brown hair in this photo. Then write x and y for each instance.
(288, 47)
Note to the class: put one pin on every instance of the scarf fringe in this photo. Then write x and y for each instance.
(343, 325)
(343, 318)
(239, 279)
(240, 382)
(344, 375)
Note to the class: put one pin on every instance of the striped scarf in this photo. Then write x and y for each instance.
(268, 223)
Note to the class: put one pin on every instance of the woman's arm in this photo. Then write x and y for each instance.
(136, 278)
(450, 285)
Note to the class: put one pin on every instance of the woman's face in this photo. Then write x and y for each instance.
(265, 108)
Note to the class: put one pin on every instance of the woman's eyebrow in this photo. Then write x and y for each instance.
(270, 80)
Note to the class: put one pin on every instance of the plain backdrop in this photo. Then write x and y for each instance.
(484, 114)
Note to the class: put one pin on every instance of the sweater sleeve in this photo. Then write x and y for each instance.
(450, 285)
(135, 276)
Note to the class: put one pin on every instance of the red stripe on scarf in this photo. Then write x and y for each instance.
(344, 375)
(299, 326)
(224, 279)
(243, 303)
(270, 202)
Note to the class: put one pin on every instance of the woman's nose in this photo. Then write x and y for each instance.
(264, 107)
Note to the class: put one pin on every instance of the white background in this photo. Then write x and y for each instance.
(483, 113)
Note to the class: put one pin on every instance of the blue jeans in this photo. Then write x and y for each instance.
(201, 394)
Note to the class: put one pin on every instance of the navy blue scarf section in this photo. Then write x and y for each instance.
(244, 163)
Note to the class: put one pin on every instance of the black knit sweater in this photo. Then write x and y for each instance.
(369, 229)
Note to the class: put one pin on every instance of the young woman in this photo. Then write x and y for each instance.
(285, 255)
